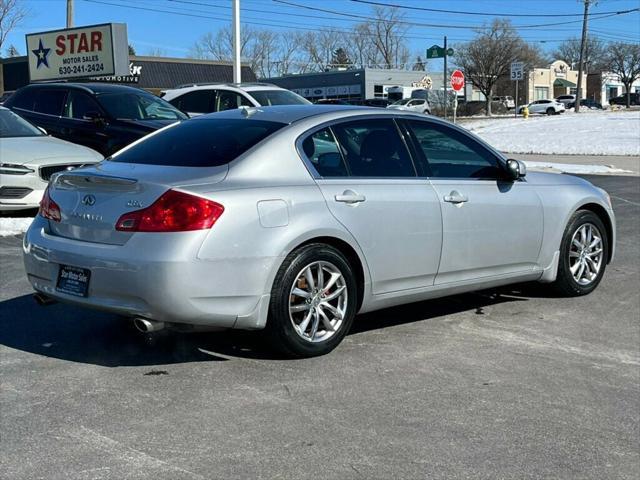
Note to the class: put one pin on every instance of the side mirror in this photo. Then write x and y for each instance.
(43, 130)
(516, 169)
(93, 116)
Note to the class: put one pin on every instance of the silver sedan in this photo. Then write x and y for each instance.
(295, 218)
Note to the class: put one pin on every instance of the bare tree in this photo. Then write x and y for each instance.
(11, 14)
(387, 34)
(360, 48)
(489, 55)
(595, 53)
(219, 46)
(156, 52)
(288, 51)
(624, 61)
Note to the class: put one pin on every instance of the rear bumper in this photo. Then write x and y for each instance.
(155, 276)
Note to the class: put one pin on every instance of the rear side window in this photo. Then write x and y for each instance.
(199, 143)
(198, 101)
(21, 99)
(50, 102)
(374, 148)
(323, 153)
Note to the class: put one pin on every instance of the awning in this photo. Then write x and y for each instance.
(561, 82)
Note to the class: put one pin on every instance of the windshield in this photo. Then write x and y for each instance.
(267, 98)
(404, 101)
(12, 125)
(138, 106)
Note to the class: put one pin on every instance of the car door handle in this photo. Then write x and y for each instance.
(349, 196)
(456, 197)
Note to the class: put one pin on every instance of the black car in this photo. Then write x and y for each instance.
(101, 116)
(622, 99)
(373, 102)
(587, 102)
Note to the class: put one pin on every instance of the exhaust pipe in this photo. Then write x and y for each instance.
(43, 300)
(147, 326)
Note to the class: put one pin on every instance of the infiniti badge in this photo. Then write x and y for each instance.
(88, 200)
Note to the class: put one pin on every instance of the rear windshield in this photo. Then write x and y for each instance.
(199, 143)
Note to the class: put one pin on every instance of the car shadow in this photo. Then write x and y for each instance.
(86, 336)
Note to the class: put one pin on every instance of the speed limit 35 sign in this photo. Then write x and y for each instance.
(516, 71)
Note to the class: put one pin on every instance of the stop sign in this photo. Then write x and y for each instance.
(457, 80)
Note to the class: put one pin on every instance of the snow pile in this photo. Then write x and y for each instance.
(590, 132)
(13, 226)
(574, 168)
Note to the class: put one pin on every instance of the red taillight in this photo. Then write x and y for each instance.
(48, 208)
(173, 212)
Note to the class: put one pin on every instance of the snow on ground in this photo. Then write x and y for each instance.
(590, 132)
(13, 226)
(574, 168)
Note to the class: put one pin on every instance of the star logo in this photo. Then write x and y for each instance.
(41, 54)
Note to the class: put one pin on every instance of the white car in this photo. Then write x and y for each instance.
(28, 158)
(419, 105)
(550, 107)
(507, 100)
(199, 99)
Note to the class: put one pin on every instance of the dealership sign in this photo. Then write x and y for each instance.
(96, 50)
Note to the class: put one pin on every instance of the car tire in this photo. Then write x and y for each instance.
(581, 265)
(550, 111)
(306, 320)
(427, 112)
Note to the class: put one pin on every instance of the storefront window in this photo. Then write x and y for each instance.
(541, 93)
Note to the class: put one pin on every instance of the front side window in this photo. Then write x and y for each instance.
(79, 105)
(50, 102)
(229, 100)
(197, 101)
(12, 125)
(139, 106)
(451, 154)
(202, 142)
(267, 98)
(324, 154)
(374, 148)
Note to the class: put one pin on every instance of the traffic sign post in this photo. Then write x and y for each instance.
(457, 83)
(435, 51)
(516, 75)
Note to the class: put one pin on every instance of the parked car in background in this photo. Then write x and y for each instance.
(376, 102)
(198, 99)
(569, 101)
(507, 101)
(28, 158)
(101, 116)
(419, 105)
(295, 218)
(588, 103)
(622, 99)
(549, 107)
(5, 96)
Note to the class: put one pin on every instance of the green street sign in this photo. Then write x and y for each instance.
(438, 52)
(435, 52)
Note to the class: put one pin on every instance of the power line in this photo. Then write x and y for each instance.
(460, 12)
(417, 24)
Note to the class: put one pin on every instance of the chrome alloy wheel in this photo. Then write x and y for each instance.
(585, 254)
(318, 301)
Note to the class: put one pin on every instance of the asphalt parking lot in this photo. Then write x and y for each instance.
(508, 383)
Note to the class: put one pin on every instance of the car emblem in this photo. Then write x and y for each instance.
(88, 200)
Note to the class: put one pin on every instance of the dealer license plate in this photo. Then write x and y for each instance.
(73, 281)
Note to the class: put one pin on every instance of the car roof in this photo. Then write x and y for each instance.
(292, 113)
(91, 87)
(246, 87)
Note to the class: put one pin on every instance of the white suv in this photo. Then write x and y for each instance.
(198, 99)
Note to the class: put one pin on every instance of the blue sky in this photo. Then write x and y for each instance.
(150, 27)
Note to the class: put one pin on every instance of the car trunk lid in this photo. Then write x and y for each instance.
(92, 199)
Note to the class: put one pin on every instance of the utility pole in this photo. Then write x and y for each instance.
(444, 77)
(583, 43)
(236, 42)
(69, 13)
